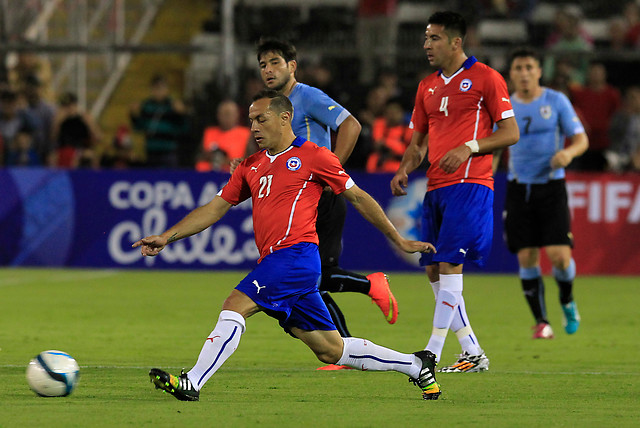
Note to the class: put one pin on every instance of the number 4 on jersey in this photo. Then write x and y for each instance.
(443, 105)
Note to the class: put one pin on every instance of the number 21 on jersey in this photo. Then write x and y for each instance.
(265, 186)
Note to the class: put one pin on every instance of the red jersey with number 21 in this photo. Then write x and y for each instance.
(285, 190)
(454, 110)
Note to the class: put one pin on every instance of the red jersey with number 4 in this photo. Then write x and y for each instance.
(454, 110)
(285, 190)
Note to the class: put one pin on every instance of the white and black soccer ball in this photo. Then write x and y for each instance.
(53, 374)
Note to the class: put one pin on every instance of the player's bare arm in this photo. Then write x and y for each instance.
(346, 138)
(411, 159)
(194, 222)
(373, 213)
(506, 135)
(579, 145)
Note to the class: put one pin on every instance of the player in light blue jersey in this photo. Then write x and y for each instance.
(315, 115)
(536, 209)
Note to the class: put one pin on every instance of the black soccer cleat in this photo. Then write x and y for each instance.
(178, 386)
(427, 379)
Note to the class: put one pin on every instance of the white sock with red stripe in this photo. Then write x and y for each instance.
(365, 355)
(221, 343)
(462, 327)
(446, 307)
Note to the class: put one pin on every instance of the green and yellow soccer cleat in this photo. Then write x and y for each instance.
(427, 379)
(178, 386)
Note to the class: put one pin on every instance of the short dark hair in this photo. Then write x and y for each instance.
(67, 99)
(8, 95)
(279, 103)
(453, 23)
(281, 47)
(525, 52)
(158, 79)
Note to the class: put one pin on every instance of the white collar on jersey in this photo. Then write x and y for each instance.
(272, 158)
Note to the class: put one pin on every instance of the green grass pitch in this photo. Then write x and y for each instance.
(118, 324)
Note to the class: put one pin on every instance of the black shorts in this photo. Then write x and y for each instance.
(332, 212)
(537, 215)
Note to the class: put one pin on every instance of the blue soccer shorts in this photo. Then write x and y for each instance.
(458, 220)
(285, 286)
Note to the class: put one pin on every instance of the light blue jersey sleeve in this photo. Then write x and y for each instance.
(544, 124)
(315, 114)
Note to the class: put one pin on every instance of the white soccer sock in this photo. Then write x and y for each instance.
(221, 343)
(446, 305)
(461, 326)
(365, 355)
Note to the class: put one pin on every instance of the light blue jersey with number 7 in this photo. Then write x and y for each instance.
(544, 124)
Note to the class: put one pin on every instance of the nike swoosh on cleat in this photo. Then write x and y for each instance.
(390, 316)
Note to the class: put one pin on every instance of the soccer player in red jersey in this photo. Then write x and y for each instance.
(284, 181)
(455, 112)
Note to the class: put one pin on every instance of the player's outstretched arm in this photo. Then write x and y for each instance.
(373, 213)
(194, 222)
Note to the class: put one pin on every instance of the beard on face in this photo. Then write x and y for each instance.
(282, 85)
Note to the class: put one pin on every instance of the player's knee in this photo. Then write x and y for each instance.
(433, 272)
(330, 351)
(528, 257)
(329, 354)
(560, 260)
(328, 357)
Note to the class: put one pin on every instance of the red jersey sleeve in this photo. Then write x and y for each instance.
(419, 118)
(497, 97)
(330, 172)
(237, 189)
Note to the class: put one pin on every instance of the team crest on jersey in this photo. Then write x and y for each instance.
(465, 85)
(545, 112)
(294, 163)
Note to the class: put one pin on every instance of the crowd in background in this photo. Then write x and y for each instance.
(40, 129)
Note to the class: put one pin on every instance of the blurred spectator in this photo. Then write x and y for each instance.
(631, 14)
(569, 41)
(597, 101)
(120, 155)
(43, 113)
(562, 78)
(26, 65)
(252, 85)
(391, 137)
(75, 134)
(617, 34)
(17, 129)
(225, 141)
(514, 9)
(375, 102)
(321, 76)
(388, 79)
(624, 153)
(163, 121)
(376, 35)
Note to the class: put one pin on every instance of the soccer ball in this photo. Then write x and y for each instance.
(53, 374)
